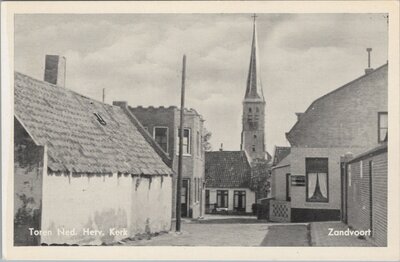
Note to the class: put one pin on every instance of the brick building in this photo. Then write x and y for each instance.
(82, 164)
(162, 123)
(352, 118)
(228, 182)
(366, 193)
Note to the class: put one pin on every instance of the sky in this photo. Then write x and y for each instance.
(138, 58)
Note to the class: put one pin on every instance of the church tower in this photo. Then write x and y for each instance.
(253, 118)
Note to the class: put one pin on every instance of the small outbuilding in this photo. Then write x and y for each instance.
(366, 193)
(84, 171)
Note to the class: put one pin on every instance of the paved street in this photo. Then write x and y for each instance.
(217, 230)
(320, 237)
(200, 234)
(287, 235)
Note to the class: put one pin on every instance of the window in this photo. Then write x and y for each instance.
(253, 148)
(222, 198)
(239, 200)
(349, 174)
(146, 128)
(257, 110)
(255, 136)
(100, 119)
(161, 137)
(317, 180)
(198, 189)
(249, 109)
(198, 143)
(195, 189)
(185, 142)
(287, 187)
(382, 126)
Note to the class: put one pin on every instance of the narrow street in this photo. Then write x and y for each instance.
(216, 230)
(230, 231)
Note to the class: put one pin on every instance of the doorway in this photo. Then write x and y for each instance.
(185, 198)
(240, 201)
(371, 204)
(343, 187)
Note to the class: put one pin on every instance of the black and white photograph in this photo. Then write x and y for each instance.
(218, 129)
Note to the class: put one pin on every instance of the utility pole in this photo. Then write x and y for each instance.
(179, 179)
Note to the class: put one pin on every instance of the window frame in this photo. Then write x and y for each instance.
(195, 189)
(198, 143)
(243, 194)
(381, 139)
(317, 172)
(189, 141)
(154, 137)
(288, 187)
(222, 193)
(349, 175)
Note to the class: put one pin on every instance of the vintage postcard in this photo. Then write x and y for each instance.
(200, 130)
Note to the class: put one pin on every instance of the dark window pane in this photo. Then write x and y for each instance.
(161, 137)
(317, 179)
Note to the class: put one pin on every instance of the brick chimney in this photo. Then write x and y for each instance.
(369, 69)
(55, 69)
(120, 103)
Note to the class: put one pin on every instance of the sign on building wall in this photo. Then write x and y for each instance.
(298, 180)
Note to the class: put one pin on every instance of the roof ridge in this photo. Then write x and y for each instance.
(61, 88)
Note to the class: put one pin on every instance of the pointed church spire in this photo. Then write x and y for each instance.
(254, 87)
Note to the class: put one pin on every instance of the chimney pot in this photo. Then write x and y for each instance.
(369, 69)
(222, 147)
(55, 70)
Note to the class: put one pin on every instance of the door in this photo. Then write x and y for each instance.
(371, 204)
(185, 198)
(343, 186)
(287, 187)
(208, 209)
(240, 201)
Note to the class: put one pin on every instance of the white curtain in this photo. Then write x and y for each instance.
(322, 177)
(312, 182)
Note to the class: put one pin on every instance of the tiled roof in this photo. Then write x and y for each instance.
(308, 130)
(227, 169)
(77, 140)
(280, 153)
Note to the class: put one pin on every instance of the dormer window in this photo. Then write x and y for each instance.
(100, 119)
